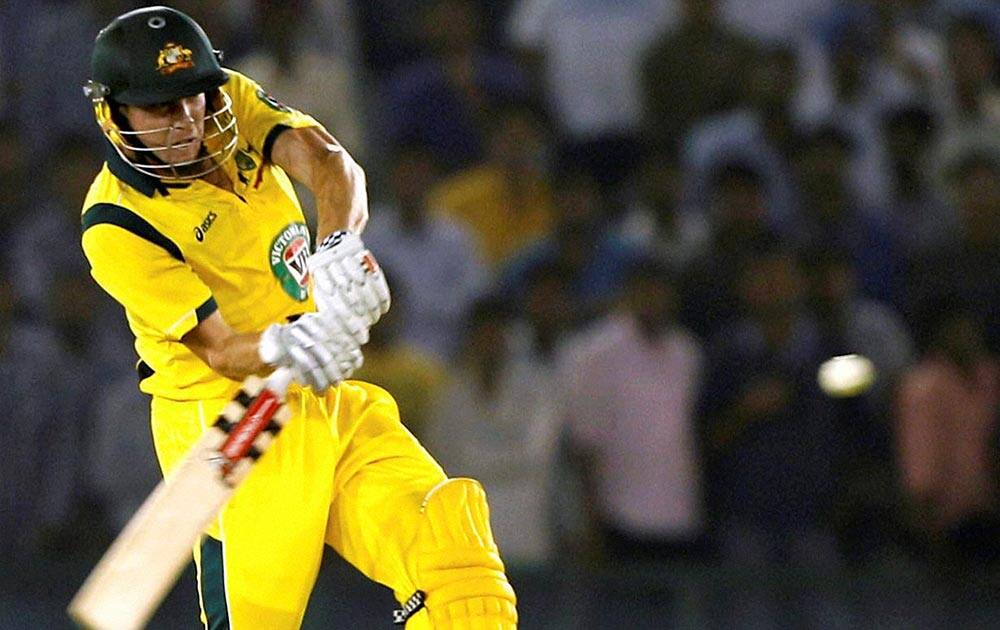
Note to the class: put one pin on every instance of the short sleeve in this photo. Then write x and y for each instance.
(158, 290)
(259, 115)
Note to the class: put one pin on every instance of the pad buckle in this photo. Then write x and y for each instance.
(410, 608)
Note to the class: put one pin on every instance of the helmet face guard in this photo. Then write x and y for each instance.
(160, 55)
(218, 144)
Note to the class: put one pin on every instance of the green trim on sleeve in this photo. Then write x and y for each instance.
(205, 310)
(272, 136)
(131, 222)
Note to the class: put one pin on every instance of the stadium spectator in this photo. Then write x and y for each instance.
(970, 268)
(920, 217)
(947, 420)
(657, 220)
(849, 81)
(505, 200)
(696, 70)
(496, 419)
(445, 101)
(865, 514)
(411, 373)
(315, 73)
(761, 134)
(833, 213)
(594, 259)
(388, 37)
(631, 399)
(738, 217)
(45, 241)
(59, 41)
(585, 57)
(772, 441)
(434, 259)
(40, 453)
(546, 315)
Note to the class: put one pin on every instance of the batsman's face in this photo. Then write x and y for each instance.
(174, 130)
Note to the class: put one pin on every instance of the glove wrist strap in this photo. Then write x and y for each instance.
(332, 240)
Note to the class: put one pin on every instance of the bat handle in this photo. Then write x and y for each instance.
(279, 381)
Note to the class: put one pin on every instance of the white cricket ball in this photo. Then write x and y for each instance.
(846, 376)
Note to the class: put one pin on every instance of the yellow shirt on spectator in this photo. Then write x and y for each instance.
(504, 218)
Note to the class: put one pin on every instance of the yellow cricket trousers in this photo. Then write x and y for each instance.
(343, 472)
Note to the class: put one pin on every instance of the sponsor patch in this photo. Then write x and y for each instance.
(288, 254)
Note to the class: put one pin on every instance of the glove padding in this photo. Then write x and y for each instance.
(319, 355)
(348, 284)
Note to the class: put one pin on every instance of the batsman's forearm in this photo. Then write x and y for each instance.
(314, 157)
(237, 357)
(341, 195)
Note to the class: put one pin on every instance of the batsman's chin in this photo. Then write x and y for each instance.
(182, 157)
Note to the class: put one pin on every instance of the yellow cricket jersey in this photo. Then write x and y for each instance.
(173, 254)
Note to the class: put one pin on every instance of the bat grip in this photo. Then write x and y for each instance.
(279, 381)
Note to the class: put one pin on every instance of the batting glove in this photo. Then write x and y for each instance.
(348, 284)
(318, 354)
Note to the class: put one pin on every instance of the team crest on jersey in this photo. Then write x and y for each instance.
(288, 254)
(174, 57)
(272, 102)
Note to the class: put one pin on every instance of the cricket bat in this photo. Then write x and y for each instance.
(141, 566)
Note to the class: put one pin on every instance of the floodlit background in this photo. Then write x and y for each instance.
(621, 235)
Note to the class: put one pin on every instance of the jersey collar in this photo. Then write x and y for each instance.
(146, 184)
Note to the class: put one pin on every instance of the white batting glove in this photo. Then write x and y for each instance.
(319, 355)
(348, 284)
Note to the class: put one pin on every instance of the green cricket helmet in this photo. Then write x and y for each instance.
(159, 55)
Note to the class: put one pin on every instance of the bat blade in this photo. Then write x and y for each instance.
(145, 560)
(139, 569)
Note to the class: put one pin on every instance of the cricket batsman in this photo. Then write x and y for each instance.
(193, 226)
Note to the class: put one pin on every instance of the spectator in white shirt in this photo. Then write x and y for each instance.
(497, 420)
(587, 55)
(434, 258)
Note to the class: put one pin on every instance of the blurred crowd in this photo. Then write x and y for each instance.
(621, 238)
